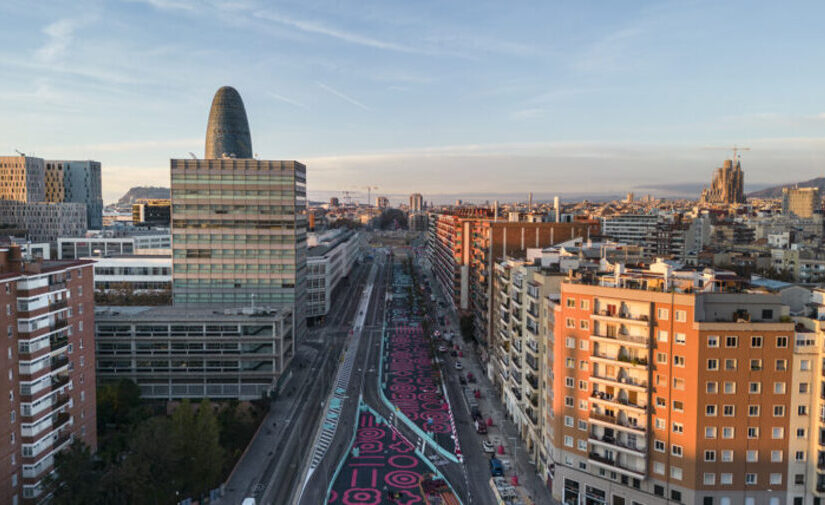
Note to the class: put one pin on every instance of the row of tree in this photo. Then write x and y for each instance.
(152, 458)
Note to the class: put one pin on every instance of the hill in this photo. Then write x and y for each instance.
(139, 192)
(776, 191)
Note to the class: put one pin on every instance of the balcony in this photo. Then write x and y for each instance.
(58, 324)
(59, 361)
(58, 304)
(615, 442)
(533, 381)
(623, 337)
(622, 358)
(533, 417)
(55, 344)
(614, 464)
(625, 382)
(60, 419)
(622, 317)
(600, 396)
(614, 421)
(532, 346)
(516, 392)
(532, 362)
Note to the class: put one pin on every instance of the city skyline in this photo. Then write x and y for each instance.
(393, 95)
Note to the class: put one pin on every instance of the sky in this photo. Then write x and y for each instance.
(479, 98)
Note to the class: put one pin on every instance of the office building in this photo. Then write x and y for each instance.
(728, 185)
(99, 245)
(801, 202)
(49, 368)
(416, 202)
(44, 222)
(202, 351)
(382, 202)
(330, 258)
(635, 229)
(152, 213)
(671, 385)
(133, 273)
(238, 223)
(76, 181)
(22, 179)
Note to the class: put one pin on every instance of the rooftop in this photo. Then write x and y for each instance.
(204, 313)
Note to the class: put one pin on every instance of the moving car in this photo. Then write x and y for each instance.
(481, 427)
(442, 348)
(458, 365)
(488, 446)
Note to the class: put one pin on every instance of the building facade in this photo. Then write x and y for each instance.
(801, 202)
(330, 258)
(672, 386)
(45, 222)
(152, 213)
(22, 179)
(99, 246)
(76, 181)
(49, 319)
(416, 202)
(199, 352)
(139, 273)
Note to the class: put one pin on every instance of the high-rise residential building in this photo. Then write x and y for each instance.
(671, 385)
(801, 202)
(238, 223)
(633, 229)
(416, 202)
(49, 368)
(76, 181)
(22, 179)
(728, 185)
(152, 212)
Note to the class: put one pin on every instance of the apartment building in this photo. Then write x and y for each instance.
(43, 221)
(76, 181)
(633, 229)
(801, 202)
(139, 273)
(48, 316)
(22, 179)
(672, 386)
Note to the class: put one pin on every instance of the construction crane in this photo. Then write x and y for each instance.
(18, 151)
(735, 150)
(347, 195)
(369, 193)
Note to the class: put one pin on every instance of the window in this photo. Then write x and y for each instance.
(779, 388)
(662, 336)
(805, 365)
(753, 410)
(569, 382)
(798, 479)
(710, 410)
(661, 402)
(726, 478)
(756, 365)
(583, 385)
(752, 456)
(753, 432)
(800, 432)
(585, 304)
(731, 341)
(778, 432)
(678, 428)
(713, 364)
(713, 341)
(778, 410)
(659, 423)
(728, 432)
(728, 410)
(658, 490)
(570, 322)
(584, 324)
(767, 314)
(708, 479)
(661, 358)
(756, 342)
(730, 364)
(676, 450)
(568, 401)
(730, 388)
(571, 302)
(710, 455)
(678, 406)
(583, 425)
(727, 456)
(799, 455)
(750, 479)
(663, 314)
(675, 473)
(680, 316)
(803, 387)
(781, 342)
(711, 387)
(570, 362)
(781, 365)
(568, 441)
(678, 360)
(658, 467)
(659, 445)
(582, 445)
(802, 410)
(678, 383)
(710, 432)
(754, 388)
(776, 456)
(568, 421)
(680, 338)
(570, 342)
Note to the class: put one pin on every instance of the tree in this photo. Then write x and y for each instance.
(76, 476)
(467, 327)
(207, 449)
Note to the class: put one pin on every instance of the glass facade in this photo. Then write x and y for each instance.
(239, 233)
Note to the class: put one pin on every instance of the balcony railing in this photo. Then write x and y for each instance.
(599, 395)
(533, 381)
(616, 442)
(58, 304)
(615, 420)
(633, 339)
(59, 342)
(612, 462)
(624, 316)
(626, 381)
(623, 359)
(59, 361)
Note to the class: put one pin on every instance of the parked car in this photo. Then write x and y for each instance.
(496, 468)
(481, 427)
(458, 365)
(488, 446)
(442, 348)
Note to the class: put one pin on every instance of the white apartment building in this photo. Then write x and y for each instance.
(100, 246)
(330, 258)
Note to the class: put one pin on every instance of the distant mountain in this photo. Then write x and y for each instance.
(776, 191)
(140, 192)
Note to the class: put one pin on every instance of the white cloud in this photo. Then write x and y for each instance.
(59, 36)
(284, 99)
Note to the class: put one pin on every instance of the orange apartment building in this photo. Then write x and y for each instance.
(47, 314)
(677, 387)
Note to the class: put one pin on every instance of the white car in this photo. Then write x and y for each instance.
(488, 446)
(458, 365)
(442, 348)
